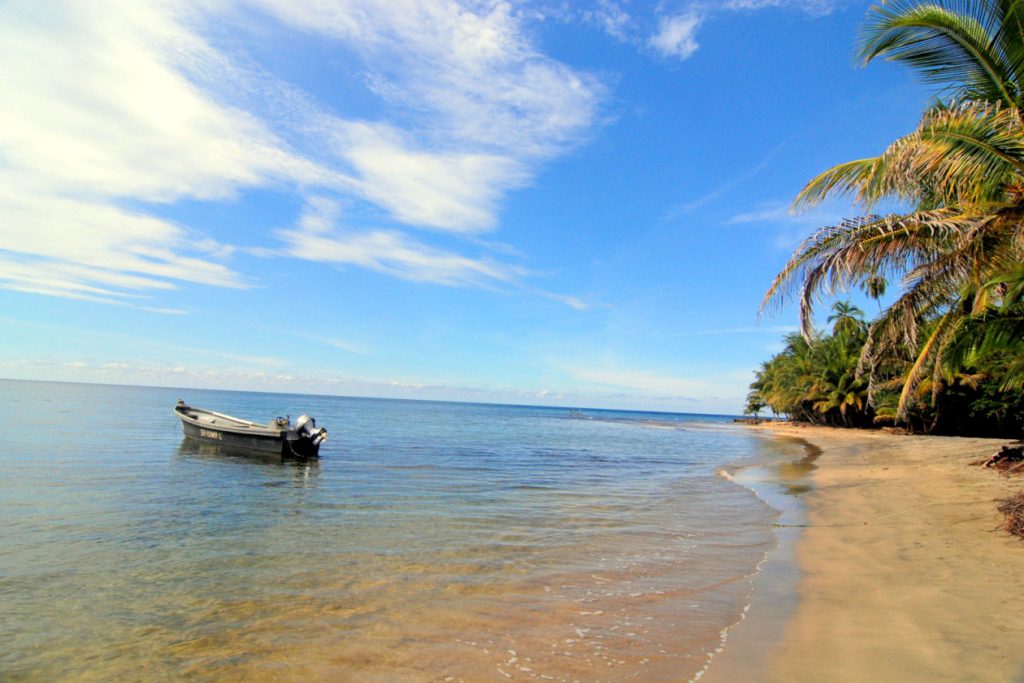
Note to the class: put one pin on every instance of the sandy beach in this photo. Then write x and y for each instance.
(903, 572)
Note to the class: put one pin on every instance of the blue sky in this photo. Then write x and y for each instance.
(530, 202)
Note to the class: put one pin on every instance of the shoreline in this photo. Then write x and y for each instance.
(900, 571)
(780, 483)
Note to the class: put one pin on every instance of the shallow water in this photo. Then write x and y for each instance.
(431, 541)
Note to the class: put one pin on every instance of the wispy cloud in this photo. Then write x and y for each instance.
(394, 253)
(292, 381)
(720, 389)
(453, 190)
(184, 353)
(609, 16)
(780, 212)
(322, 235)
(335, 342)
(113, 110)
(97, 113)
(813, 7)
(725, 188)
(474, 106)
(791, 227)
(676, 33)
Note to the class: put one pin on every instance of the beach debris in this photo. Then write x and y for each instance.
(897, 431)
(1007, 460)
(1013, 509)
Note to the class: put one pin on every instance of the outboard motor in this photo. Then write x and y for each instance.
(305, 427)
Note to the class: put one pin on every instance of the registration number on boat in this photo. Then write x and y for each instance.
(206, 433)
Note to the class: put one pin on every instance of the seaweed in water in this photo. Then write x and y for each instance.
(1013, 508)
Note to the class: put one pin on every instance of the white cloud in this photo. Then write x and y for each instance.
(96, 113)
(474, 107)
(335, 342)
(676, 36)
(570, 301)
(610, 17)
(321, 235)
(448, 190)
(318, 239)
(607, 15)
(468, 68)
(725, 188)
(812, 7)
(292, 381)
(112, 110)
(91, 250)
(94, 105)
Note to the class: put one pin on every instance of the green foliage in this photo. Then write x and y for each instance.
(948, 353)
(817, 380)
(755, 404)
(821, 382)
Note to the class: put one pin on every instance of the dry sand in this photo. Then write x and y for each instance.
(904, 573)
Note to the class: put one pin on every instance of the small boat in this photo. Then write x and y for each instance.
(279, 436)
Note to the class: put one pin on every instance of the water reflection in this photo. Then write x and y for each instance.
(794, 474)
(303, 471)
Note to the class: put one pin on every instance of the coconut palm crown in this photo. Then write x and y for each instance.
(961, 171)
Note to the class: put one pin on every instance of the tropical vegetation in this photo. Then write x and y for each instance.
(948, 353)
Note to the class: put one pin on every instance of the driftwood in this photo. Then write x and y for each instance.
(898, 431)
(1007, 460)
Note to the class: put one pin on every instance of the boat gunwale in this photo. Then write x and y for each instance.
(250, 428)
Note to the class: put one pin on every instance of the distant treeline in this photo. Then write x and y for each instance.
(947, 355)
(821, 381)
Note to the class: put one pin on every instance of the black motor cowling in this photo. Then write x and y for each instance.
(306, 428)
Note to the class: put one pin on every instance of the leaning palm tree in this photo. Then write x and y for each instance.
(961, 171)
(964, 166)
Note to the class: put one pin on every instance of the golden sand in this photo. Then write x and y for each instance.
(905, 574)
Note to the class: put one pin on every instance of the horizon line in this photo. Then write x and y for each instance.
(369, 398)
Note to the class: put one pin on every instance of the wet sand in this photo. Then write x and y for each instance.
(903, 573)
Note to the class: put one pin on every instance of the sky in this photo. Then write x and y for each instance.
(549, 203)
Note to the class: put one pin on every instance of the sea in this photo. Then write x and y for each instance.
(431, 541)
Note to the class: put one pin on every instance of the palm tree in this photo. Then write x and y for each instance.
(755, 404)
(874, 286)
(847, 320)
(962, 170)
(954, 254)
(783, 381)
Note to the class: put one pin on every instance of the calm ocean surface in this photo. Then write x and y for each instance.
(430, 542)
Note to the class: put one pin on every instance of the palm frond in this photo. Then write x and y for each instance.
(839, 257)
(848, 178)
(967, 153)
(952, 44)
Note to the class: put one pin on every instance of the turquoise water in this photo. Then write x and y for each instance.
(431, 541)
